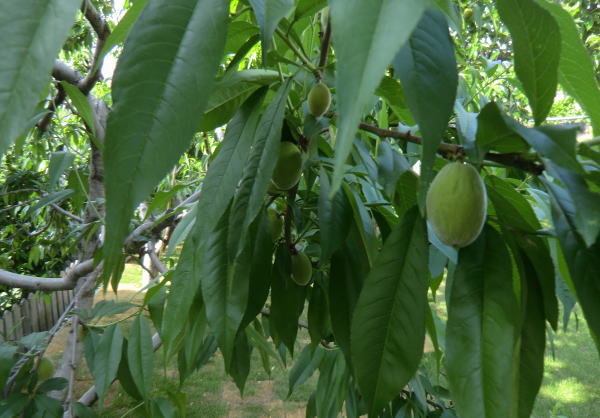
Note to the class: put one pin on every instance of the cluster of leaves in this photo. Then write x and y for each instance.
(358, 210)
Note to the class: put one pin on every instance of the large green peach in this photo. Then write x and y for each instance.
(301, 269)
(319, 99)
(288, 168)
(456, 204)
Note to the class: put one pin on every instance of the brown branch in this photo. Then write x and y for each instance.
(58, 99)
(102, 29)
(511, 159)
(325, 41)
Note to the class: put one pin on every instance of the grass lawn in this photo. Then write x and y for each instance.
(570, 388)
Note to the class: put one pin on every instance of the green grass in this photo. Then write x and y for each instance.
(570, 388)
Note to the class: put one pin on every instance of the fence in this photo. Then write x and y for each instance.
(33, 314)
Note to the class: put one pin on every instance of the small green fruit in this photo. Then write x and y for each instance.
(456, 204)
(319, 99)
(288, 168)
(301, 269)
(45, 369)
(275, 224)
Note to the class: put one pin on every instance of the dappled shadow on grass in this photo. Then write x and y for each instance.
(570, 386)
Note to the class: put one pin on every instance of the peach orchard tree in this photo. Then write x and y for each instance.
(261, 211)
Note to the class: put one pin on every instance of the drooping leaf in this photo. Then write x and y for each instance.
(124, 375)
(240, 361)
(33, 34)
(319, 326)
(268, 14)
(161, 86)
(586, 214)
(231, 92)
(493, 131)
(483, 321)
(427, 68)
(60, 162)
(140, 355)
(332, 384)
(581, 259)
(349, 269)
(185, 286)
(576, 70)
(107, 356)
(226, 171)
(260, 271)
(335, 216)
(306, 364)
(533, 342)
(388, 325)
(81, 104)
(536, 41)
(366, 36)
(251, 191)
(287, 300)
(513, 211)
(54, 197)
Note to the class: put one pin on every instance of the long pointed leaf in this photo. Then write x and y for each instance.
(388, 326)
(483, 320)
(32, 34)
(366, 36)
(427, 69)
(161, 86)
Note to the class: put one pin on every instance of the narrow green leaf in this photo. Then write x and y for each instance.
(140, 355)
(268, 14)
(226, 171)
(317, 316)
(60, 162)
(110, 307)
(260, 271)
(515, 213)
(576, 69)
(251, 191)
(308, 361)
(231, 92)
(54, 197)
(185, 285)
(586, 216)
(483, 321)
(581, 260)
(366, 36)
(494, 132)
(287, 300)
(224, 291)
(332, 385)
(33, 34)
(533, 342)
(107, 356)
(161, 86)
(81, 104)
(536, 43)
(240, 362)
(120, 32)
(388, 326)
(335, 216)
(349, 269)
(427, 69)
(124, 375)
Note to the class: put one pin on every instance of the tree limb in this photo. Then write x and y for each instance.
(67, 282)
(512, 159)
